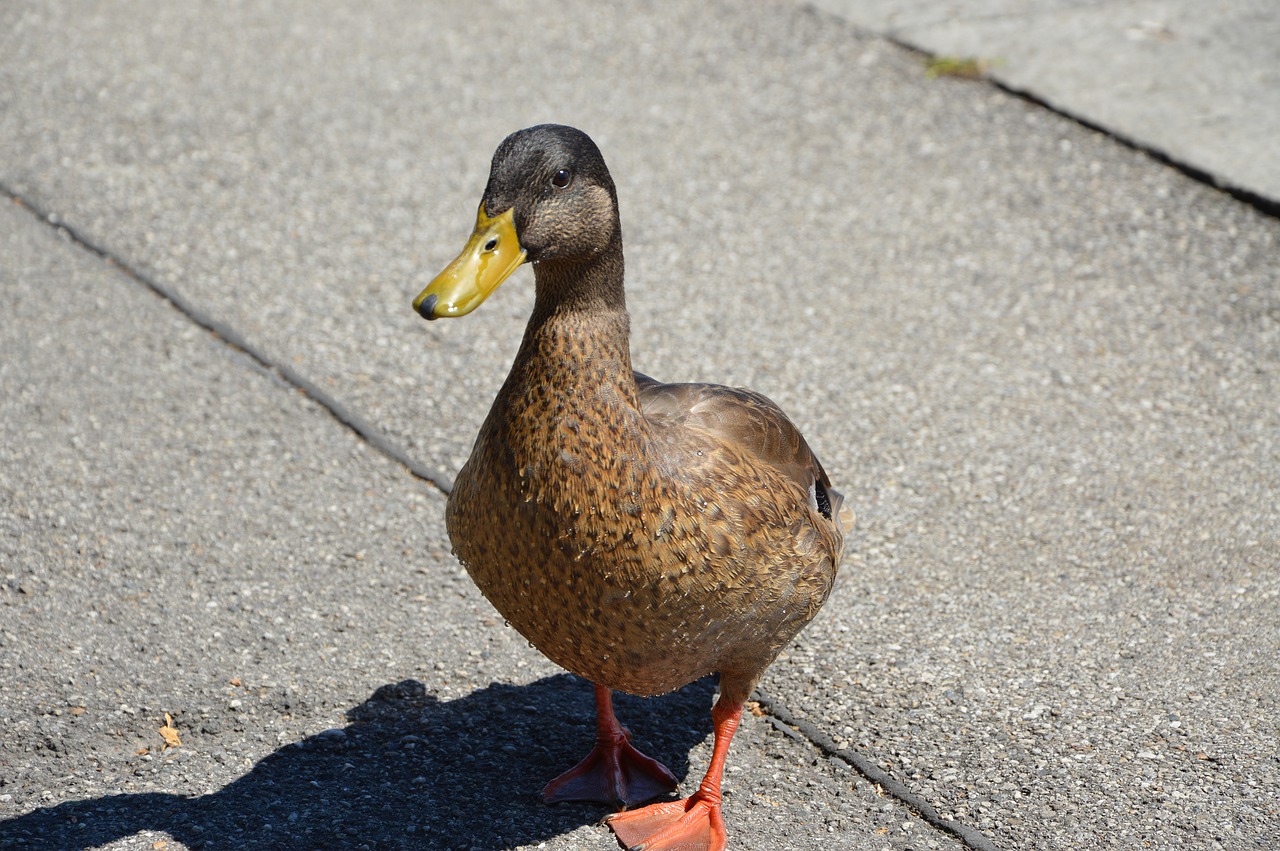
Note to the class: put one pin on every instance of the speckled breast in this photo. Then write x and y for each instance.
(565, 571)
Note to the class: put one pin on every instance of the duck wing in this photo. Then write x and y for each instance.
(707, 415)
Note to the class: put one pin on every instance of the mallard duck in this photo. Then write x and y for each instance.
(642, 535)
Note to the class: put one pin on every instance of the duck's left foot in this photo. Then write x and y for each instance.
(694, 824)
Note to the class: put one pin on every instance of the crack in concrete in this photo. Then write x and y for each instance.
(235, 340)
(1263, 204)
(883, 781)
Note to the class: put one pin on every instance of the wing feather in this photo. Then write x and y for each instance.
(706, 414)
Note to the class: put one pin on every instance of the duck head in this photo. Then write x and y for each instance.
(549, 200)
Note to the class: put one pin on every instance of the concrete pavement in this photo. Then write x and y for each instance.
(1042, 366)
(1192, 83)
(191, 545)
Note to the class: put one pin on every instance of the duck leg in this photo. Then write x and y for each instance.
(614, 772)
(695, 823)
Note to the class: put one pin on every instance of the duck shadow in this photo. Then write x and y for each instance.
(408, 771)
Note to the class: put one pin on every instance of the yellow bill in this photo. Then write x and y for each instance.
(492, 253)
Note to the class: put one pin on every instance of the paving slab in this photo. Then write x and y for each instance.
(227, 622)
(1042, 366)
(1192, 83)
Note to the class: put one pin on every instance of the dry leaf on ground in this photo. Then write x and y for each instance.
(170, 733)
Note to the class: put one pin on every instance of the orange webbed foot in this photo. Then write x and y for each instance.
(614, 772)
(694, 824)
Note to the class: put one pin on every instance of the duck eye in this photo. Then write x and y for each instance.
(561, 178)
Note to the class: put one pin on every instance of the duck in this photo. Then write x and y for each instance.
(639, 534)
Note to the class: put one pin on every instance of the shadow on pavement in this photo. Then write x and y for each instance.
(408, 771)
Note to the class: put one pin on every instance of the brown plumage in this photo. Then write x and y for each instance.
(641, 535)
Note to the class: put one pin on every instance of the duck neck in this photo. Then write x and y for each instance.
(580, 312)
(571, 395)
(579, 336)
(591, 287)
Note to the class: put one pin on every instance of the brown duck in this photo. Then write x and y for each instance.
(641, 535)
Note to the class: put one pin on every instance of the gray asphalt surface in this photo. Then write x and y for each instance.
(1042, 366)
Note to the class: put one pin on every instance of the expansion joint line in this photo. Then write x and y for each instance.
(1263, 204)
(232, 338)
(884, 782)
